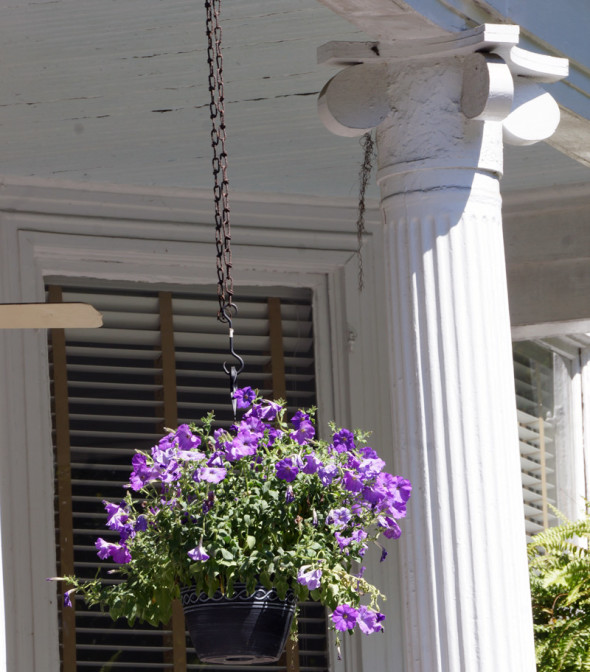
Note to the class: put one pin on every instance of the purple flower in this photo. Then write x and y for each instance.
(117, 516)
(338, 517)
(67, 598)
(141, 473)
(343, 441)
(312, 464)
(140, 524)
(391, 529)
(244, 397)
(371, 467)
(383, 553)
(210, 474)
(121, 554)
(311, 578)
(327, 474)
(198, 553)
(304, 432)
(344, 617)
(298, 418)
(343, 542)
(267, 412)
(289, 494)
(186, 440)
(287, 469)
(352, 481)
(369, 621)
(103, 548)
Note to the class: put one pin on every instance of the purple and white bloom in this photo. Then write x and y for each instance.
(371, 467)
(369, 621)
(210, 474)
(327, 474)
(310, 578)
(338, 517)
(67, 597)
(288, 469)
(344, 617)
(289, 494)
(117, 516)
(198, 553)
(244, 397)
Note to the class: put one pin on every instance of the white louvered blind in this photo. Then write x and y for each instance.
(115, 384)
(534, 381)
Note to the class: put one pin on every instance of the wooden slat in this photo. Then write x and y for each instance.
(48, 316)
(177, 638)
(277, 354)
(64, 483)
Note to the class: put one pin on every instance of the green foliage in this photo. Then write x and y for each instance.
(559, 563)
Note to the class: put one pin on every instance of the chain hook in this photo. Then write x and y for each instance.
(232, 371)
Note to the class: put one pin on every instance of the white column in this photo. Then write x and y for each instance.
(439, 123)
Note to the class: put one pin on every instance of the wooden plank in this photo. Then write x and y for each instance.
(64, 484)
(277, 354)
(48, 316)
(177, 637)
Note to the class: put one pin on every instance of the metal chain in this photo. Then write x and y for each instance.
(225, 283)
(368, 145)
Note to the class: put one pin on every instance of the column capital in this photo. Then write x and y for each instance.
(500, 81)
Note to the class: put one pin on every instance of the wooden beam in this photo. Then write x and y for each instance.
(48, 316)
(177, 639)
(64, 483)
(277, 354)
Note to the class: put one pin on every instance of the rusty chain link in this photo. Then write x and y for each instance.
(225, 283)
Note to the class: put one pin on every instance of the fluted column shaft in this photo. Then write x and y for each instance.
(464, 568)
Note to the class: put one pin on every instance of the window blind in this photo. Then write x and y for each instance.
(119, 398)
(533, 376)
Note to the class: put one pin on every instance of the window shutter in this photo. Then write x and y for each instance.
(533, 375)
(119, 397)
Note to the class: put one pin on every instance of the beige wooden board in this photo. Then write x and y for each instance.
(48, 316)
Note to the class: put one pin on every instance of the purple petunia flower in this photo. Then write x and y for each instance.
(287, 469)
(352, 482)
(67, 598)
(117, 516)
(312, 464)
(198, 553)
(103, 548)
(391, 529)
(274, 435)
(338, 517)
(210, 474)
(311, 578)
(289, 494)
(141, 473)
(140, 524)
(244, 397)
(343, 441)
(369, 621)
(185, 439)
(298, 418)
(344, 617)
(304, 433)
(327, 474)
(121, 554)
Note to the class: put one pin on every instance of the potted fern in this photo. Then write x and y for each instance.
(263, 510)
(559, 562)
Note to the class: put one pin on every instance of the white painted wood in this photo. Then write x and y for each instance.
(534, 117)
(585, 386)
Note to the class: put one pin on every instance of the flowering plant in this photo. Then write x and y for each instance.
(265, 501)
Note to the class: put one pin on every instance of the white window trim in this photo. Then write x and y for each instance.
(49, 231)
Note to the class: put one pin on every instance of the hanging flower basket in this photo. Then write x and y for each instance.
(244, 629)
(261, 507)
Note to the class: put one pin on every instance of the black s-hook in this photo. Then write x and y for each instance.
(234, 370)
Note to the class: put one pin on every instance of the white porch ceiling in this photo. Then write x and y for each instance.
(115, 91)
